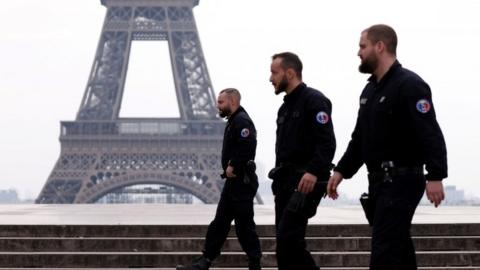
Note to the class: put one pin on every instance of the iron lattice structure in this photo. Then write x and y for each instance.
(102, 153)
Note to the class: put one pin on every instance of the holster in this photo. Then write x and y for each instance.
(285, 177)
(276, 172)
(245, 172)
(250, 176)
(296, 203)
(286, 170)
(368, 207)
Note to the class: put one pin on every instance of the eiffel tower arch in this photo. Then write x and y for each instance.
(102, 153)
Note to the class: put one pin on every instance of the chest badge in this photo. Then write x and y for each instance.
(245, 132)
(382, 99)
(423, 106)
(363, 101)
(322, 117)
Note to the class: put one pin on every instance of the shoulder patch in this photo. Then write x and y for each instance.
(423, 106)
(245, 132)
(322, 117)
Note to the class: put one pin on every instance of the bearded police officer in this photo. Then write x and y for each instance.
(236, 201)
(396, 135)
(305, 148)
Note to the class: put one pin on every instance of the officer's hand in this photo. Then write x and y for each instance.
(333, 183)
(307, 183)
(435, 192)
(229, 172)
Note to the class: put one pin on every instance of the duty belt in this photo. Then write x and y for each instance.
(391, 172)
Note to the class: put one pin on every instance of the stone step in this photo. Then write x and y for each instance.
(264, 268)
(227, 259)
(185, 244)
(459, 229)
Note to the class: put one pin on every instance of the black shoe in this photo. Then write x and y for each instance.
(200, 263)
(254, 264)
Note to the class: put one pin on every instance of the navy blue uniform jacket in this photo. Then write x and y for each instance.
(305, 134)
(239, 141)
(396, 122)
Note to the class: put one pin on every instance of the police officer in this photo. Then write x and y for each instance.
(396, 134)
(304, 150)
(236, 200)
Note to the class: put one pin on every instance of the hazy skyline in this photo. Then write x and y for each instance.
(47, 49)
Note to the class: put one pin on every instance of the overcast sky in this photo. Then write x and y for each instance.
(47, 49)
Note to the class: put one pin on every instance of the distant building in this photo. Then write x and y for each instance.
(454, 196)
(9, 196)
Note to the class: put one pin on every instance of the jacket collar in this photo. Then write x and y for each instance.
(295, 93)
(396, 65)
(240, 109)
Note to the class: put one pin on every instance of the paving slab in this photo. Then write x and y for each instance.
(200, 214)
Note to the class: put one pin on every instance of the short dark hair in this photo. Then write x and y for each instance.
(290, 60)
(232, 92)
(384, 33)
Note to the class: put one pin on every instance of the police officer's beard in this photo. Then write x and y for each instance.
(224, 113)
(282, 85)
(368, 65)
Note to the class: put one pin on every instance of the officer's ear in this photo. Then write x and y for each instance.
(290, 73)
(380, 46)
(234, 100)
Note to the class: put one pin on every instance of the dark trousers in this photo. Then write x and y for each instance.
(236, 203)
(395, 203)
(291, 225)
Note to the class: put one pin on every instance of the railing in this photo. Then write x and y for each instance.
(167, 127)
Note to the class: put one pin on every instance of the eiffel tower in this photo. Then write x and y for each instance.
(102, 153)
